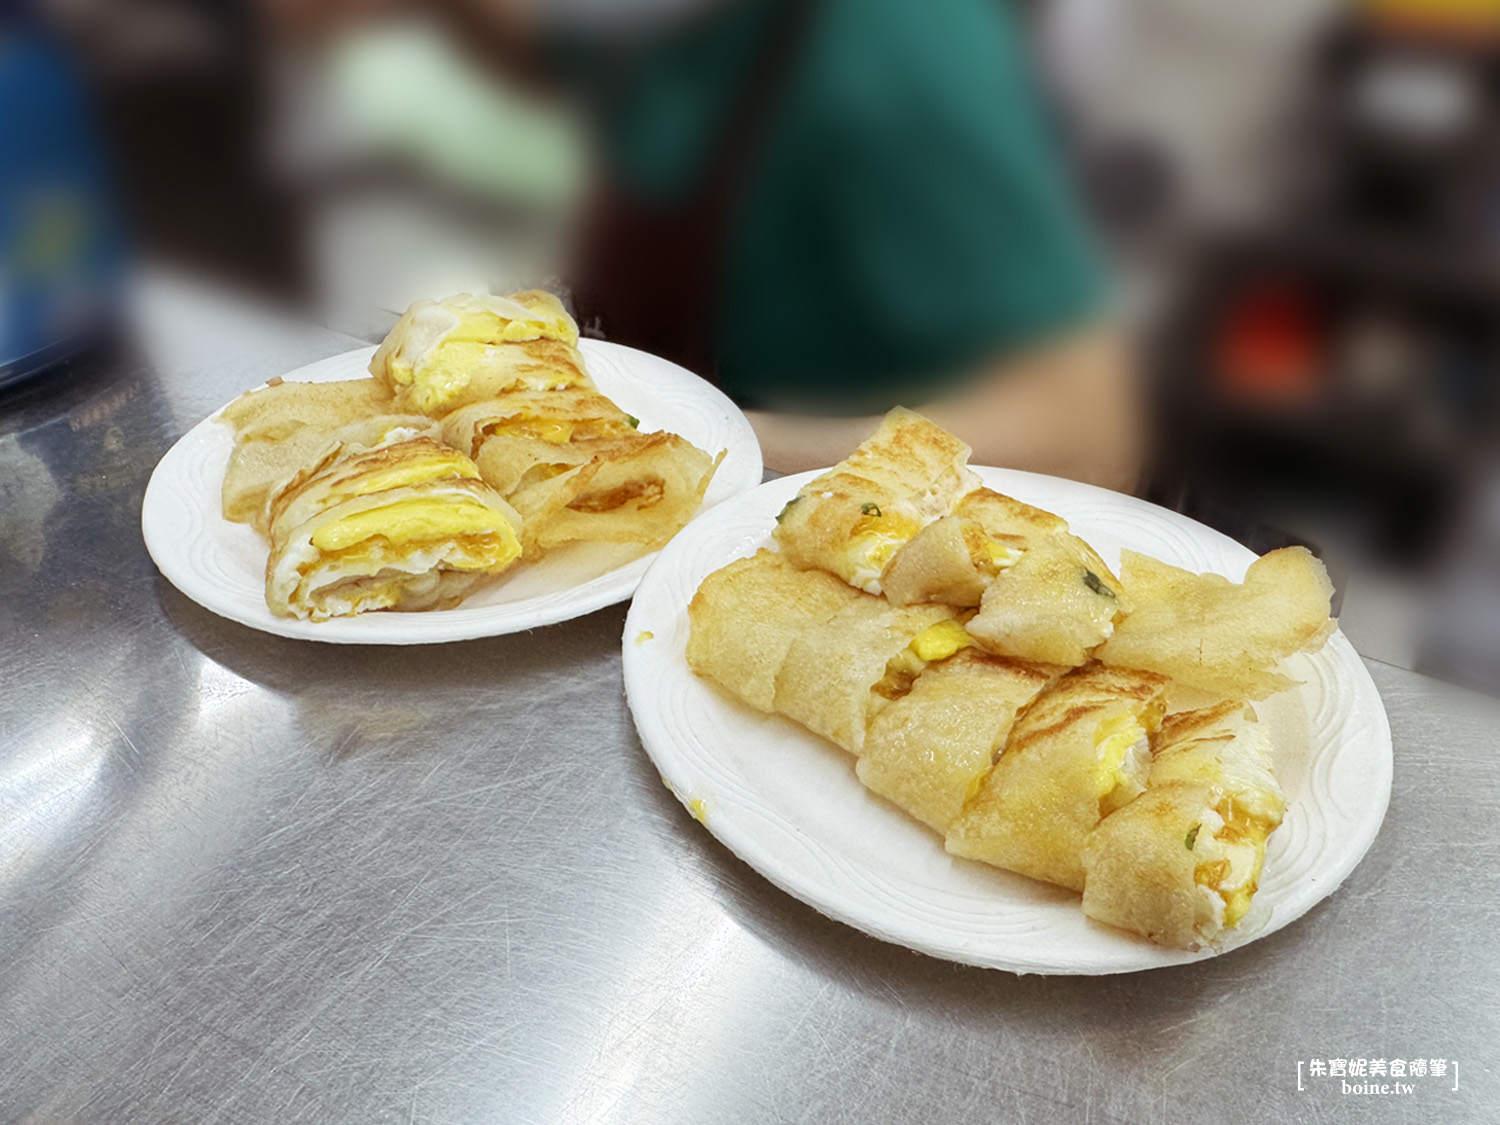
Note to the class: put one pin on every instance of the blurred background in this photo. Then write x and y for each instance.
(1299, 201)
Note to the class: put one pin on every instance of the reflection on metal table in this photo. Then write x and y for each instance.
(249, 878)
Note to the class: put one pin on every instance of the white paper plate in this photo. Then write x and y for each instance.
(221, 565)
(789, 804)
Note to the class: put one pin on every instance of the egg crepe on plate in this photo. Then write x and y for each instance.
(838, 674)
(926, 751)
(1181, 863)
(407, 525)
(1044, 594)
(547, 421)
(1079, 752)
(853, 519)
(443, 355)
(634, 488)
(745, 616)
(285, 426)
(1217, 636)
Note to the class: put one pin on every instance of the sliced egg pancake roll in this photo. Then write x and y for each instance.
(406, 526)
(1077, 754)
(853, 519)
(637, 488)
(745, 616)
(437, 348)
(553, 418)
(927, 750)
(442, 355)
(1218, 636)
(281, 408)
(839, 674)
(1181, 863)
(954, 560)
(258, 469)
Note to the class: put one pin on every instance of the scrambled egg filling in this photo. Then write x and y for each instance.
(1235, 850)
(989, 556)
(1124, 759)
(417, 520)
(933, 644)
(433, 467)
(557, 431)
(872, 544)
(457, 341)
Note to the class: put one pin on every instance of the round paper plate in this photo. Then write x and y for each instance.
(222, 565)
(789, 804)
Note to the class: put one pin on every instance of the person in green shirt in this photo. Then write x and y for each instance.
(897, 228)
(832, 207)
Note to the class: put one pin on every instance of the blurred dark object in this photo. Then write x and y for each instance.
(60, 249)
(180, 89)
(1330, 378)
(1461, 638)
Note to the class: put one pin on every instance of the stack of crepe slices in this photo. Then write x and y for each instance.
(479, 441)
(996, 681)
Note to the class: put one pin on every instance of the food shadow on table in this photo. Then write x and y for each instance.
(380, 717)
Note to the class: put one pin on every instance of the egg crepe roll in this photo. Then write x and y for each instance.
(408, 525)
(745, 616)
(1078, 753)
(281, 427)
(839, 674)
(852, 520)
(442, 355)
(258, 468)
(439, 351)
(1181, 863)
(636, 488)
(551, 417)
(928, 750)
(1221, 637)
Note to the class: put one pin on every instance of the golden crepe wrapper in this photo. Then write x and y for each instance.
(745, 616)
(637, 488)
(851, 520)
(414, 554)
(1057, 601)
(546, 418)
(1156, 866)
(1053, 783)
(926, 751)
(442, 355)
(1224, 638)
(835, 673)
(281, 408)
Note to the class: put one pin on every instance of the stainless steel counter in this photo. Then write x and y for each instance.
(251, 879)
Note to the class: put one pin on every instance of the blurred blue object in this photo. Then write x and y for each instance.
(60, 243)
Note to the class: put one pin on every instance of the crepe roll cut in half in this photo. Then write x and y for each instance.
(1079, 752)
(1053, 598)
(745, 616)
(839, 674)
(927, 751)
(281, 428)
(407, 525)
(442, 355)
(953, 561)
(545, 419)
(853, 519)
(635, 488)
(1218, 636)
(1180, 864)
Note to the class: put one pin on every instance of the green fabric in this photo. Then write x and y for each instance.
(907, 217)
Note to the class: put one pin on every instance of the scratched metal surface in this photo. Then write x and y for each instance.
(250, 879)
